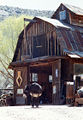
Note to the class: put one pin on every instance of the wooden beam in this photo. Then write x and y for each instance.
(77, 60)
(35, 60)
(39, 64)
(29, 20)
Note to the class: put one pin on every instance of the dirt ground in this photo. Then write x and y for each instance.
(48, 112)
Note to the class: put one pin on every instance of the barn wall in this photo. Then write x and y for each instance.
(62, 71)
(76, 19)
(40, 38)
(21, 79)
(39, 35)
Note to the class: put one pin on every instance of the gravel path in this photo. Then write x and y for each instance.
(42, 113)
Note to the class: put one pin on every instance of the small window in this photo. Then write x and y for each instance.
(34, 77)
(50, 78)
(62, 15)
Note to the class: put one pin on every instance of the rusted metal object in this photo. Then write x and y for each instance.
(69, 92)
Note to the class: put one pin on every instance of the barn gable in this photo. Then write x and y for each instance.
(44, 29)
(48, 37)
(69, 14)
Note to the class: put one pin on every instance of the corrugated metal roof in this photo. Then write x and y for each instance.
(74, 54)
(58, 24)
(54, 22)
(70, 40)
(74, 9)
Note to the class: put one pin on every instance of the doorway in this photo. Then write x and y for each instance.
(42, 74)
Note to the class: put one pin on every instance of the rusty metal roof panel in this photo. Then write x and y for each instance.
(74, 54)
(74, 9)
(66, 39)
(72, 39)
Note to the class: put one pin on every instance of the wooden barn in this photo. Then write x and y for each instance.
(47, 51)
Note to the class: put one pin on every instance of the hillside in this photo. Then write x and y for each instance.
(6, 11)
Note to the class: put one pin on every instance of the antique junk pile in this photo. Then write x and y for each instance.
(48, 51)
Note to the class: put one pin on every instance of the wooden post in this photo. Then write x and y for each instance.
(56, 73)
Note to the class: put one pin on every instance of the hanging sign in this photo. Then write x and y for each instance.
(19, 91)
(54, 89)
(19, 79)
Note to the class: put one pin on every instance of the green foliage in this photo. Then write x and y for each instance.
(10, 29)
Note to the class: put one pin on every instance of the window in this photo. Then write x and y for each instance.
(62, 15)
(34, 77)
(39, 46)
(50, 78)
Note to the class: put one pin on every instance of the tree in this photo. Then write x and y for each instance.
(10, 29)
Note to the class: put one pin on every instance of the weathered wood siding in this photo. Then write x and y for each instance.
(76, 19)
(21, 78)
(56, 73)
(40, 40)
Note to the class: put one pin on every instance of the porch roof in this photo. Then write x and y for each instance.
(74, 54)
(46, 60)
(37, 61)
